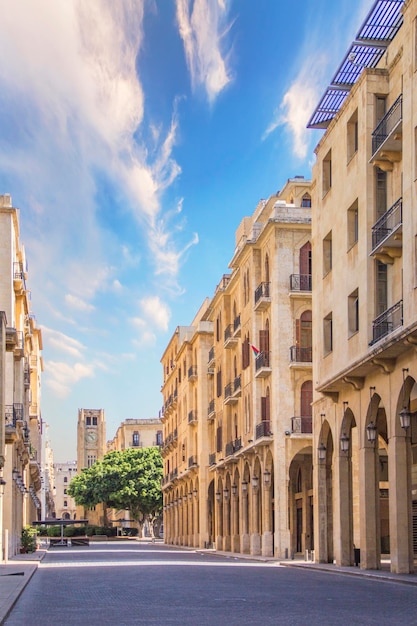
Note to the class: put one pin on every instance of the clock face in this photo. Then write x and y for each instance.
(91, 436)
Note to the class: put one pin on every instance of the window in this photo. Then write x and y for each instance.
(380, 192)
(328, 333)
(159, 438)
(352, 224)
(65, 479)
(65, 491)
(94, 421)
(327, 172)
(65, 502)
(353, 313)
(88, 420)
(381, 288)
(352, 136)
(380, 108)
(327, 253)
(306, 201)
(135, 440)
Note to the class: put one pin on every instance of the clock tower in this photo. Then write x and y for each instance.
(91, 447)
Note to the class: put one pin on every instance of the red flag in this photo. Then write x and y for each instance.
(255, 351)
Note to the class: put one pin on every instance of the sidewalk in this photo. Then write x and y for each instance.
(14, 576)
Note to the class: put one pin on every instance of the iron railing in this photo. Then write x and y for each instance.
(262, 291)
(385, 127)
(263, 429)
(387, 322)
(388, 222)
(263, 360)
(301, 355)
(303, 424)
(300, 282)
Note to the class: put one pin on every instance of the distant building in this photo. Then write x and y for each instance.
(65, 507)
(137, 433)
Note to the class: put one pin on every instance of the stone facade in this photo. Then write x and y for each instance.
(65, 507)
(237, 426)
(137, 433)
(365, 316)
(91, 447)
(20, 381)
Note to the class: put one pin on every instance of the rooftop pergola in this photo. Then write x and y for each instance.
(379, 28)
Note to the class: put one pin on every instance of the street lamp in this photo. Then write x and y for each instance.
(321, 451)
(404, 414)
(371, 432)
(226, 492)
(244, 486)
(267, 478)
(2, 485)
(344, 442)
(218, 496)
(195, 493)
(255, 481)
(234, 489)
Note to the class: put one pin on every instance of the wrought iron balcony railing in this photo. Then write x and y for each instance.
(262, 291)
(390, 221)
(301, 355)
(300, 282)
(303, 424)
(263, 360)
(388, 123)
(387, 322)
(263, 429)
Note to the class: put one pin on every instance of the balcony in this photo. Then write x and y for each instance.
(302, 425)
(192, 417)
(387, 137)
(387, 234)
(263, 365)
(192, 373)
(12, 414)
(26, 376)
(212, 459)
(19, 282)
(301, 354)
(211, 413)
(300, 282)
(233, 446)
(262, 296)
(230, 339)
(387, 322)
(192, 461)
(233, 391)
(263, 429)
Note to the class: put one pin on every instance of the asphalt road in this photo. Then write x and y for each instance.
(134, 583)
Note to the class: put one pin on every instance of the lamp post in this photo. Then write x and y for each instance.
(255, 482)
(218, 496)
(344, 442)
(234, 489)
(371, 432)
(244, 486)
(267, 478)
(404, 414)
(321, 451)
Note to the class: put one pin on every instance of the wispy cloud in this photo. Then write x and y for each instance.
(156, 312)
(61, 377)
(63, 343)
(77, 303)
(203, 26)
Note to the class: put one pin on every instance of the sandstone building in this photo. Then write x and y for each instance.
(364, 227)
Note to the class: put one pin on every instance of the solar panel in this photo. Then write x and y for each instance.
(379, 28)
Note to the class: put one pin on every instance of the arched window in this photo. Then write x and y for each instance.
(306, 398)
(306, 200)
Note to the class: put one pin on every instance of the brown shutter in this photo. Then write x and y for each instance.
(264, 341)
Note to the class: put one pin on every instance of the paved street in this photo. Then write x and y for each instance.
(139, 583)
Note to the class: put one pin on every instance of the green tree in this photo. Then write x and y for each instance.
(127, 479)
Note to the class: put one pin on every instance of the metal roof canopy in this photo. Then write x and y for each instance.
(379, 28)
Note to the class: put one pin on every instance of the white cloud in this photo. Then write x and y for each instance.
(61, 377)
(76, 303)
(156, 312)
(62, 342)
(203, 27)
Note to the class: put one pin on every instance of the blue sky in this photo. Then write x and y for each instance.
(134, 136)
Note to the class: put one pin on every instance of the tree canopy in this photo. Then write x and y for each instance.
(127, 479)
